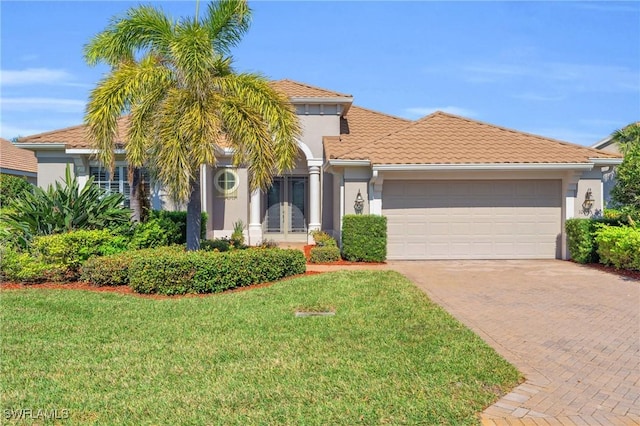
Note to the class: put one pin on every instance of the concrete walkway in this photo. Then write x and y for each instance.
(573, 331)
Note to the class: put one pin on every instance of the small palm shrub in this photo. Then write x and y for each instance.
(237, 237)
(65, 207)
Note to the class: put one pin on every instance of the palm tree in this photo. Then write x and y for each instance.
(627, 137)
(185, 101)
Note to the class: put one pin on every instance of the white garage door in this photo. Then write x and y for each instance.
(492, 219)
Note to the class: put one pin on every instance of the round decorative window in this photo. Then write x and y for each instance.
(226, 181)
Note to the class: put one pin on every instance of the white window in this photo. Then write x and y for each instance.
(118, 182)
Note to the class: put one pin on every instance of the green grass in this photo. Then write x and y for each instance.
(388, 356)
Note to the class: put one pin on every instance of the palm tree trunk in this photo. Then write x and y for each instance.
(135, 183)
(194, 213)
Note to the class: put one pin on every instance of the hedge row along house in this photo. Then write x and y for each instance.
(450, 187)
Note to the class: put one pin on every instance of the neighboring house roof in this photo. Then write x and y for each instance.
(294, 89)
(361, 126)
(603, 143)
(14, 160)
(442, 138)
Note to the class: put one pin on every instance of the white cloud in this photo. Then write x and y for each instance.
(31, 76)
(574, 77)
(49, 104)
(422, 111)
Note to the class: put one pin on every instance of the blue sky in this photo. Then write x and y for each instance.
(568, 70)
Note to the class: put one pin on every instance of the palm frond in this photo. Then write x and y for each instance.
(143, 27)
(227, 21)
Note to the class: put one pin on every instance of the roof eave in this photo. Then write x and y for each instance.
(483, 166)
(603, 143)
(35, 146)
(606, 161)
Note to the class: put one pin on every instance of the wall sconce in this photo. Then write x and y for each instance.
(587, 205)
(358, 205)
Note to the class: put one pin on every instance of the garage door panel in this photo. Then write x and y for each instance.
(472, 219)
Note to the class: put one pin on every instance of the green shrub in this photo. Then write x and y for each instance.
(364, 238)
(210, 272)
(180, 219)
(65, 253)
(12, 188)
(321, 238)
(156, 232)
(219, 244)
(22, 267)
(114, 269)
(324, 254)
(107, 270)
(619, 246)
(581, 237)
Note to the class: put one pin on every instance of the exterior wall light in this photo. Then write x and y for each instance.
(358, 205)
(587, 205)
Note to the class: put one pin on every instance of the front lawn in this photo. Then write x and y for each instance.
(388, 355)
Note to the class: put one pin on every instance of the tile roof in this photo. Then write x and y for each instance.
(359, 127)
(14, 158)
(294, 89)
(75, 136)
(72, 137)
(442, 138)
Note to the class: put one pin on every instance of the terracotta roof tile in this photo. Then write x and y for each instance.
(14, 158)
(360, 127)
(294, 89)
(72, 137)
(442, 138)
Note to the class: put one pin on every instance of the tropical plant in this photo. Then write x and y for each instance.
(64, 207)
(626, 191)
(627, 137)
(237, 237)
(185, 101)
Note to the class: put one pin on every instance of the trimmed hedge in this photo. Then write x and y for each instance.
(619, 246)
(114, 269)
(211, 272)
(581, 237)
(180, 219)
(364, 238)
(324, 254)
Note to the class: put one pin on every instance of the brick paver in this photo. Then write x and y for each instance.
(573, 331)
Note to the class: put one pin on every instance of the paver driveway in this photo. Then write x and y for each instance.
(573, 331)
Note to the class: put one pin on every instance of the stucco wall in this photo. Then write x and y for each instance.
(314, 127)
(589, 180)
(225, 211)
(351, 189)
(52, 169)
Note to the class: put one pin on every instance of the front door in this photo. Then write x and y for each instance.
(286, 208)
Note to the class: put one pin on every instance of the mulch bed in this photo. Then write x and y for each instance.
(620, 272)
(124, 289)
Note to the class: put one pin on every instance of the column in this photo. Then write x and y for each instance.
(255, 227)
(314, 199)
